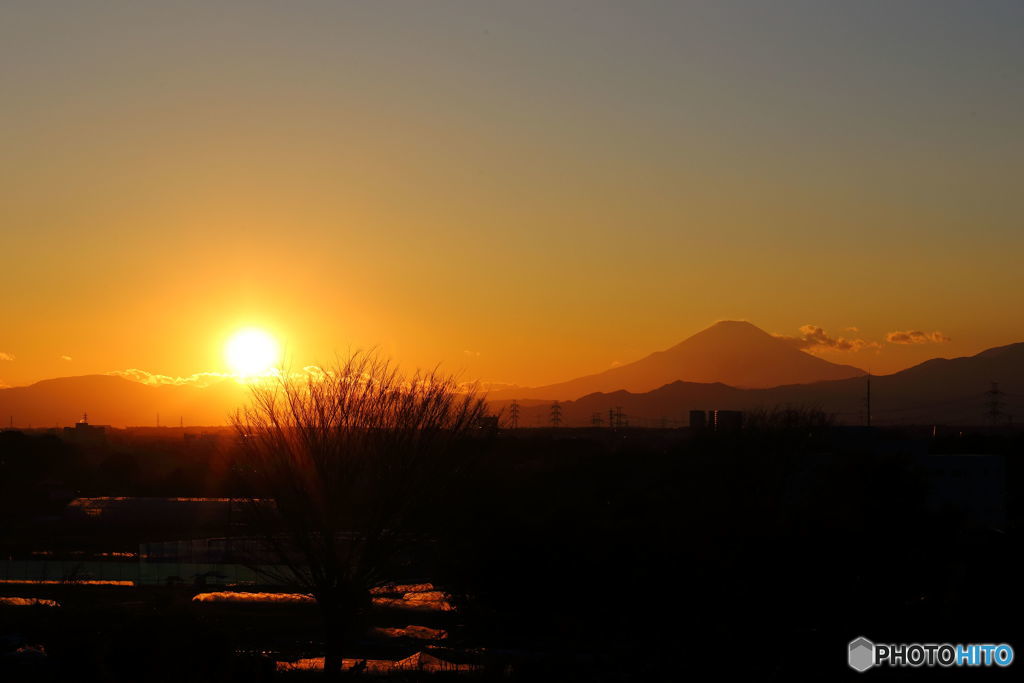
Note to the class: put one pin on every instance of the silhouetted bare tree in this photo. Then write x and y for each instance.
(351, 455)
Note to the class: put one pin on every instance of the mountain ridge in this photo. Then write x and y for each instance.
(734, 352)
(939, 390)
(117, 401)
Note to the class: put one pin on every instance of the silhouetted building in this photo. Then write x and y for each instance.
(83, 432)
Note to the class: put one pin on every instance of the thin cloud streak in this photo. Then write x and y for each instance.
(199, 379)
(206, 379)
(916, 337)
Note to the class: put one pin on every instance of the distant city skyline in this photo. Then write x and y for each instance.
(523, 192)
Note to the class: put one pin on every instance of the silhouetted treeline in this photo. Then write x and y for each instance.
(42, 468)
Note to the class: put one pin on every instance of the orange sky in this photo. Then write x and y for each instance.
(522, 193)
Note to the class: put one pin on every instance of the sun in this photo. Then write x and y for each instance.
(252, 352)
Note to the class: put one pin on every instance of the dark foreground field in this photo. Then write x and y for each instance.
(583, 555)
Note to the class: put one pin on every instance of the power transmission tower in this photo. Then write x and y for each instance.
(513, 414)
(995, 404)
(620, 418)
(556, 414)
(611, 418)
(596, 420)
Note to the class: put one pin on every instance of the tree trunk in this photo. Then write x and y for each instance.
(334, 635)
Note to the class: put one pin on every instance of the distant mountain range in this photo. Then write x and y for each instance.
(730, 365)
(938, 391)
(118, 402)
(730, 352)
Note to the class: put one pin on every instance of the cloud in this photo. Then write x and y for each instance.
(486, 386)
(206, 379)
(916, 337)
(813, 338)
(199, 379)
(6, 356)
(68, 358)
(472, 354)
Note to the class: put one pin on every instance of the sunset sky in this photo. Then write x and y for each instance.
(522, 191)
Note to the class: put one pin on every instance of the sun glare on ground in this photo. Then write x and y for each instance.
(252, 352)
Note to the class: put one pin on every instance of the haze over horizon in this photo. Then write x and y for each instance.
(730, 352)
(730, 365)
(522, 192)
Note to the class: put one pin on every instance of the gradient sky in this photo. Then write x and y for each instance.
(523, 191)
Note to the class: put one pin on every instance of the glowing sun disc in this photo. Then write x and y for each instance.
(252, 352)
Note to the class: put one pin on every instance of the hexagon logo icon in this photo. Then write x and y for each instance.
(862, 654)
